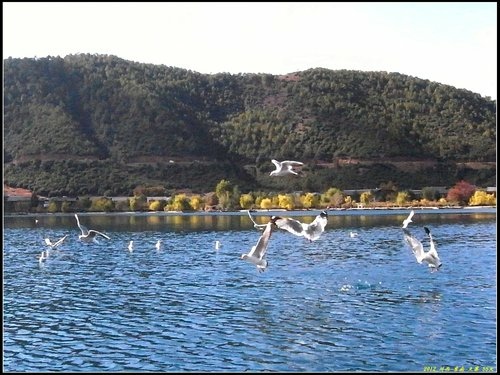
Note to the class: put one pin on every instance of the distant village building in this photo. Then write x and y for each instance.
(119, 199)
(151, 199)
(21, 200)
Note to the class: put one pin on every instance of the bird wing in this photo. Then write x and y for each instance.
(252, 251)
(432, 253)
(291, 225)
(259, 250)
(291, 162)
(313, 231)
(83, 228)
(60, 241)
(92, 233)
(415, 245)
(432, 258)
(408, 219)
(258, 226)
(276, 163)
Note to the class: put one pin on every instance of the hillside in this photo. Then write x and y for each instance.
(96, 124)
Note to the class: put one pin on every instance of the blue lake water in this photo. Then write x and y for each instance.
(336, 304)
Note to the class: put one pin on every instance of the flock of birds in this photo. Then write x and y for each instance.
(257, 254)
(313, 231)
(85, 236)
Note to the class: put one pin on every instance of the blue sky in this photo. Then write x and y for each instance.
(453, 43)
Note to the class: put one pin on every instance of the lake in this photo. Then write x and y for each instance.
(336, 304)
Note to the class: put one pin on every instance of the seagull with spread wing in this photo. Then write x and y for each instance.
(430, 257)
(258, 252)
(88, 235)
(53, 245)
(285, 167)
(311, 231)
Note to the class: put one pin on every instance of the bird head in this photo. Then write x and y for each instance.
(323, 214)
(274, 218)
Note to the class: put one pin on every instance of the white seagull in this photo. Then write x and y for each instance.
(430, 257)
(285, 167)
(258, 252)
(217, 245)
(55, 244)
(131, 246)
(158, 245)
(310, 231)
(408, 219)
(353, 234)
(88, 235)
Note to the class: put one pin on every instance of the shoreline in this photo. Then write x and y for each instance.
(261, 212)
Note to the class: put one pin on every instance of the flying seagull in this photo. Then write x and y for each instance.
(88, 235)
(430, 257)
(408, 220)
(55, 244)
(285, 167)
(258, 252)
(311, 231)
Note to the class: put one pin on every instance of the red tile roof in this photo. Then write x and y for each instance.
(16, 192)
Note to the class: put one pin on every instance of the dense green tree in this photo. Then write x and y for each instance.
(429, 193)
(89, 124)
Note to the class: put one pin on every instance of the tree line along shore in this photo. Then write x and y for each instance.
(227, 197)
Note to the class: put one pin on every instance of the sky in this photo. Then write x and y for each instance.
(453, 43)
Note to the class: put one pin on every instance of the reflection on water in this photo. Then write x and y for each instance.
(239, 220)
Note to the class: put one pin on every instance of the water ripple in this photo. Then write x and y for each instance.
(337, 304)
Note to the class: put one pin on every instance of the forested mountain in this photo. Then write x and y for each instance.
(98, 124)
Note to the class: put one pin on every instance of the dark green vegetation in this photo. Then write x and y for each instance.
(94, 124)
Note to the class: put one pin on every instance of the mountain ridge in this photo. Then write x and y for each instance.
(109, 114)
